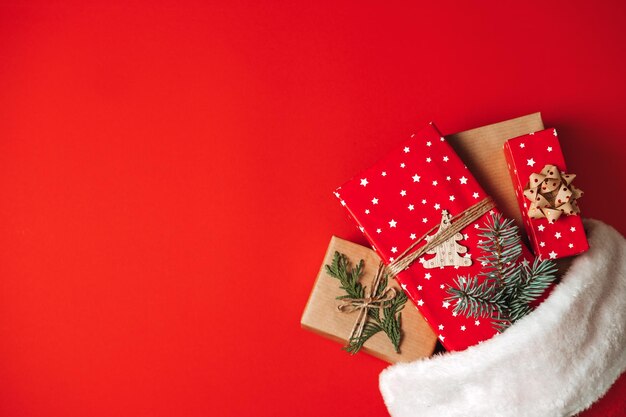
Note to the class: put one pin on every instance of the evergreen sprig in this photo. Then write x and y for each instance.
(505, 288)
(391, 320)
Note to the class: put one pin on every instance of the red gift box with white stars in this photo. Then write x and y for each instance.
(527, 158)
(403, 196)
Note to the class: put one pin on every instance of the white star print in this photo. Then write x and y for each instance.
(367, 211)
(454, 314)
(416, 178)
(440, 327)
(466, 236)
(394, 249)
(541, 227)
(442, 286)
(475, 195)
(407, 149)
(403, 193)
(435, 183)
(362, 229)
(379, 230)
(476, 226)
(552, 255)
(428, 143)
(542, 244)
(571, 245)
(424, 201)
(448, 178)
(462, 328)
(446, 159)
(384, 173)
(411, 207)
(554, 133)
(445, 304)
(343, 203)
(530, 162)
(419, 288)
(521, 145)
(442, 337)
(420, 303)
(428, 159)
(549, 149)
(463, 180)
(413, 237)
(557, 235)
(364, 182)
(437, 206)
(442, 138)
(402, 165)
(391, 259)
(424, 220)
(393, 223)
(427, 275)
(572, 229)
(477, 323)
(374, 200)
(452, 198)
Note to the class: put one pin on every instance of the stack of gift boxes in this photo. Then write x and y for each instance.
(433, 186)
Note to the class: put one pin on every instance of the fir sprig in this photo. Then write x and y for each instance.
(391, 320)
(505, 288)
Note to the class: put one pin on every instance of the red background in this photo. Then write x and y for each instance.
(166, 174)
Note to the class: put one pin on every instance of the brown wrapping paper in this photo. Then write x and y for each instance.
(321, 314)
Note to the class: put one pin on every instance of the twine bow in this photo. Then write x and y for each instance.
(552, 193)
(362, 305)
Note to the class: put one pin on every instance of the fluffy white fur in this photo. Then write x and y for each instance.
(555, 362)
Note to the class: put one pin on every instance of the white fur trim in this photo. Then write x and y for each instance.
(555, 362)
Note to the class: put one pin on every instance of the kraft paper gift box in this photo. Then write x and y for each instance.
(322, 316)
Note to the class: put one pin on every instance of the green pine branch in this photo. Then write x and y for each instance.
(391, 320)
(505, 288)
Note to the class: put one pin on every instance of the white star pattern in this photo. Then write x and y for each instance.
(343, 203)
(554, 132)
(521, 145)
(427, 276)
(379, 230)
(477, 323)
(392, 223)
(367, 211)
(428, 159)
(552, 255)
(424, 220)
(442, 286)
(549, 149)
(445, 304)
(442, 139)
(416, 178)
(384, 173)
(572, 229)
(571, 245)
(542, 244)
(411, 207)
(466, 236)
(424, 201)
(442, 337)
(463, 180)
(364, 182)
(403, 193)
(440, 327)
(557, 235)
(413, 237)
(407, 149)
(541, 227)
(374, 200)
(448, 178)
(530, 162)
(419, 288)
(394, 249)
(435, 183)
(475, 195)
(446, 159)
(452, 198)
(402, 165)
(429, 143)
(462, 328)
(420, 302)
(437, 206)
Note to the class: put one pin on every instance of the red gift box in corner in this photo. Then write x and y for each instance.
(407, 193)
(546, 195)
